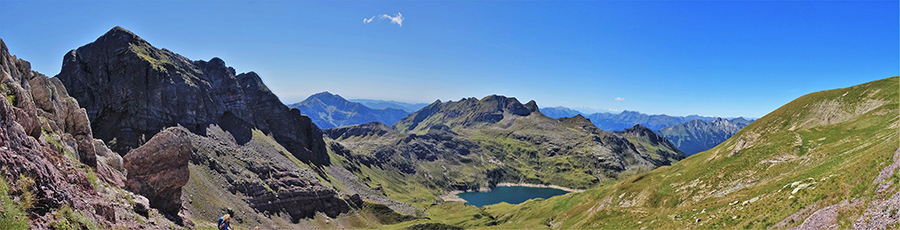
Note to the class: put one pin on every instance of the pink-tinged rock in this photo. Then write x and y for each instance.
(159, 168)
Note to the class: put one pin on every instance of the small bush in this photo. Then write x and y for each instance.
(26, 198)
(91, 176)
(12, 215)
(66, 219)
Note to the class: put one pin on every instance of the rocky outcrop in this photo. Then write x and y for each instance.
(45, 137)
(159, 168)
(132, 90)
(375, 129)
(255, 176)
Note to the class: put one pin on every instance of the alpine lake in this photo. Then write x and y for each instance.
(508, 194)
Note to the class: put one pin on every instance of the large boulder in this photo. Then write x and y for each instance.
(159, 168)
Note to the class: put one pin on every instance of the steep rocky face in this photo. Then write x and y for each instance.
(47, 151)
(236, 167)
(330, 110)
(698, 136)
(159, 168)
(131, 90)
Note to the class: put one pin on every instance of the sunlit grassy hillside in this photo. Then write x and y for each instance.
(825, 149)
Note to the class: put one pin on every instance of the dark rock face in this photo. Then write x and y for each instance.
(131, 90)
(159, 169)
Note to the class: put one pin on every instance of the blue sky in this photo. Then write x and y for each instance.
(717, 58)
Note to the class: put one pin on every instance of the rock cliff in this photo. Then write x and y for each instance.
(132, 90)
(61, 176)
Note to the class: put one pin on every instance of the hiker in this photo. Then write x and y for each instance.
(225, 222)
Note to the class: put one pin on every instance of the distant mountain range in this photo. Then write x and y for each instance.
(691, 134)
(624, 120)
(627, 119)
(697, 136)
(559, 112)
(380, 104)
(329, 110)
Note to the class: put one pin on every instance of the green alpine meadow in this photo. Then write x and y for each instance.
(449, 115)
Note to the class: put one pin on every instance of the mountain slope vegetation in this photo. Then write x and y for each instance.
(330, 110)
(477, 143)
(827, 159)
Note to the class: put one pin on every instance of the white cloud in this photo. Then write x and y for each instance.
(619, 99)
(398, 19)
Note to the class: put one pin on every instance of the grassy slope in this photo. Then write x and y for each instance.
(520, 143)
(208, 197)
(818, 150)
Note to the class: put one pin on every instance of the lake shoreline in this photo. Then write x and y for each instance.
(452, 195)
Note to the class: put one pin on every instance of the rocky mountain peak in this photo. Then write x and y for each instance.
(577, 119)
(532, 105)
(638, 128)
(581, 122)
(509, 104)
(467, 111)
(328, 98)
(132, 90)
(119, 36)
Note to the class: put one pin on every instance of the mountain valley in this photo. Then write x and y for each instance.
(129, 136)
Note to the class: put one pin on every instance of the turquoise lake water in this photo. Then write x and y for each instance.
(508, 194)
